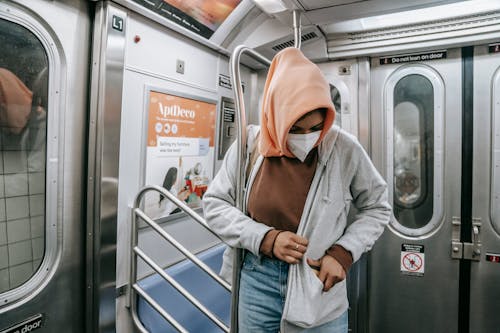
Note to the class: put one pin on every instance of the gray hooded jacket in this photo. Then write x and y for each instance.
(344, 175)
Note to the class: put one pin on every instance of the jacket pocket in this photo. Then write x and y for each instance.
(308, 305)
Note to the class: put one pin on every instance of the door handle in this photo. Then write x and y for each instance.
(466, 250)
(475, 240)
(472, 251)
(457, 247)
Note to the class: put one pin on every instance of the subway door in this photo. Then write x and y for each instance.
(416, 136)
(43, 100)
(485, 270)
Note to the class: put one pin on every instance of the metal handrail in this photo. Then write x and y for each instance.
(156, 227)
(241, 156)
(297, 28)
(179, 288)
(158, 308)
(137, 252)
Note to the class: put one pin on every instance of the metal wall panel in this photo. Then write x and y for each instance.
(104, 137)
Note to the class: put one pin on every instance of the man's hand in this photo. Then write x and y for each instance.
(328, 270)
(289, 247)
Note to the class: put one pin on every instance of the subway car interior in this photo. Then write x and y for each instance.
(116, 115)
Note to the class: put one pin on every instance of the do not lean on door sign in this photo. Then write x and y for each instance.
(412, 259)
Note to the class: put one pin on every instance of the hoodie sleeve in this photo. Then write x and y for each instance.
(369, 193)
(219, 206)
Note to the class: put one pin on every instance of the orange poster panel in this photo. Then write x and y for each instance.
(179, 117)
(208, 12)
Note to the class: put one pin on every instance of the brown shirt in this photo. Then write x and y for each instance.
(278, 196)
(279, 191)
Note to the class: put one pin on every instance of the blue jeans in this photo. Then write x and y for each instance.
(263, 285)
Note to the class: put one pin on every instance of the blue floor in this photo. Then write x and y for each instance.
(199, 284)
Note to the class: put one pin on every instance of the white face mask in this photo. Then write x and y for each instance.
(301, 144)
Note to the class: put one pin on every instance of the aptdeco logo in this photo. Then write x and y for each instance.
(176, 111)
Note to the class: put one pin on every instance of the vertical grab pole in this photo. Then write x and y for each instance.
(297, 28)
(241, 121)
(241, 162)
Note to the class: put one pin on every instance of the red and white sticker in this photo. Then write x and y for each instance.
(412, 259)
(493, 257)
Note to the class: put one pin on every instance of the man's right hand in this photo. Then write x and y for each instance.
(289, 247)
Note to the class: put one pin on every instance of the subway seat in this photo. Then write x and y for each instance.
(197, 283)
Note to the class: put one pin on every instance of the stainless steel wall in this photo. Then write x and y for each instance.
(103, 155)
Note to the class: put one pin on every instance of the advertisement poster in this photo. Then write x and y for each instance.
(180, 150)
(200, 16)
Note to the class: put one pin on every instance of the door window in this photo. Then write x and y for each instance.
(23, 114)
(413, 151)
(414, 111)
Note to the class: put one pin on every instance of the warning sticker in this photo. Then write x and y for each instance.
(399, 59)
(412, 259)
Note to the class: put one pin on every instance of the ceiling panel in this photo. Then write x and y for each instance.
(324, 11)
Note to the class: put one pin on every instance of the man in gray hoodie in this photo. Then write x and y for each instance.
(294, 234)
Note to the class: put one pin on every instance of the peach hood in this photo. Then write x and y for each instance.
(294, 87)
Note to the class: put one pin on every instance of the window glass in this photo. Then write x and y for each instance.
(23, 113)
(337, 102)
(413, 151)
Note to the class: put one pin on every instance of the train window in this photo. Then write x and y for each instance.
(337, 102)
(23, 113)
(413, 151)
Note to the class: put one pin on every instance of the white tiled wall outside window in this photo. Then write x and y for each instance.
(22, 208)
